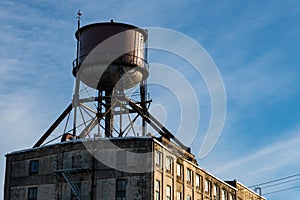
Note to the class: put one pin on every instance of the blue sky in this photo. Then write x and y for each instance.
(255, 44)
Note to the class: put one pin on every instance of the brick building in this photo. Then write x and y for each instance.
(111, 58)
(114, 168)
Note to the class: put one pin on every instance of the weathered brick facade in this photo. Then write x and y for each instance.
(122, 168)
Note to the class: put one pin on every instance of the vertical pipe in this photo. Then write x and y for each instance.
(75, 104)
(78, 40)
(99, 109)
(143, 90)
(109, 114)
(143, 105)
(121, 121)
(77, 83)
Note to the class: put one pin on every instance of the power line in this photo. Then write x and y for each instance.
(268, 186)
(279, 181)
(282, 190)
(276, 180)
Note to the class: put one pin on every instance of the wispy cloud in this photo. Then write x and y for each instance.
(22, 122)
(254, 44)
(265, 163)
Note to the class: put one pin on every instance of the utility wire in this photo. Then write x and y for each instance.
(276, 180)
(268, 186)
(282, 190)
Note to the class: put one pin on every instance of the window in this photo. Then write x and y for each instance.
(32, 193)
(121, 189)
(231, 197)
(178, 170)
(158, 158)
(216, 191)
(189, 176)
(168, 192)
(179, 196)
(76, 161)
(157, 190)
(224, 194)
(169, 164)
(207, 186)
(33, 167)
(188, 198)
(121, 157)
(198, 181)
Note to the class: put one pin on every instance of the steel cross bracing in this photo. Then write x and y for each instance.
(120, 102)
(125, 105)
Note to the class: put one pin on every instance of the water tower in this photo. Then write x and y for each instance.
(111, 59)
(110, 94)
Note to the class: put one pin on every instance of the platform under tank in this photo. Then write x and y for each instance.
(111, 54)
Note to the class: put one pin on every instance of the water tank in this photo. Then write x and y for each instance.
(111, 53)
